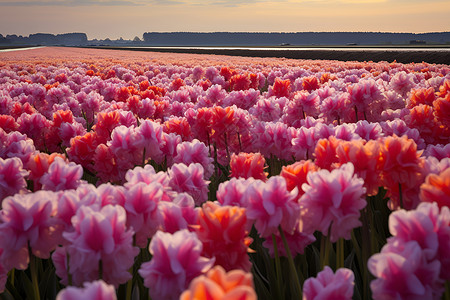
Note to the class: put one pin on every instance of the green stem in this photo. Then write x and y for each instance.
(12, 276)
(137, 120)
(400, 195)
(304, 273)
(324, 251)
(340, 253)
(129, 288)
(373, 232)
(447, 290)
(209, 143)
(100, 269)
(277, 266)
(357, 248)
(239, 139)
(143, 158)
(226, 145)
(34, 277)
(365, 249)
(69, 276)
(216, 169)
(291, 264)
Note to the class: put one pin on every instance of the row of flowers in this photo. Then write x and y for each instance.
(210, 180)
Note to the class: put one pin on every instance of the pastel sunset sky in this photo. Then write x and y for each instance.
(129, 18)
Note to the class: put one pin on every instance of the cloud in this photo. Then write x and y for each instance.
(363, 1)
(168, 2)
(203, 3)
(223, 3)
(73, 3)
(235, 3)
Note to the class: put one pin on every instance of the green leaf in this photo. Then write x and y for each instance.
(260, 288)
(27, 286)
(10, 292)
(48, 283)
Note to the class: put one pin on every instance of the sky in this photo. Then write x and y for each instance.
(114, 19)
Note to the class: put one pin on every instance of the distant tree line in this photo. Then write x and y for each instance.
(234, 39)
(291, 38)
(67, 39)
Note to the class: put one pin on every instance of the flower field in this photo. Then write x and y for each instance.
(129, 175)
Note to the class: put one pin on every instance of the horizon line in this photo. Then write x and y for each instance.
(251, 32)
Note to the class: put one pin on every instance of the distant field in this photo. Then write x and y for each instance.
(438, 54)
(405, 54)
(161, 174)
(12, 47)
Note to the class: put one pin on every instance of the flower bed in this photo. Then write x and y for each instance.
(126, 174)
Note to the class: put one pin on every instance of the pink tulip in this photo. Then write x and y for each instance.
(363, 93)
(414, 264)
(304, 143)
(195, 152)
(169, 147)
(271, 205)
(403, 273)
(267, 109)
(17, 145)
(149, 137)
(189, 179)
(148, 175)
(12, 179)
(141, 204)
(176, 260)
(368, 131)
(402, 83)
(309, 102)
(124, 146)
(99, 235)
(62, 176)
(335, 107)
(330, 286)
(438, 151)
(178, 214)
(96, 290)
(346, 132)
(273, 139)
(332, 202)
(231, 192)
(27, 220)
(35, 126)
(400, 128)
(428, 225)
